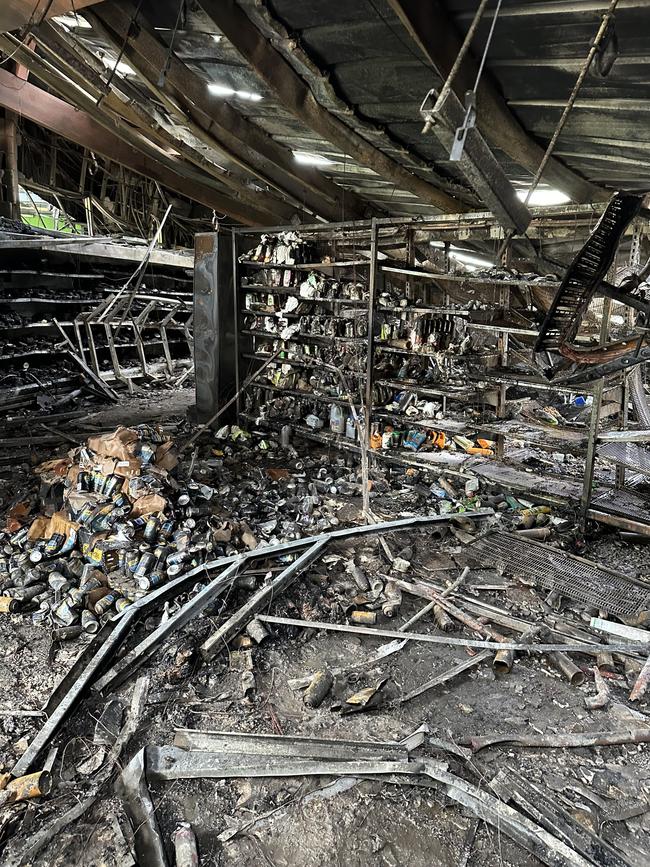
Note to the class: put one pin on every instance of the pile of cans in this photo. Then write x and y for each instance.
(102, 557)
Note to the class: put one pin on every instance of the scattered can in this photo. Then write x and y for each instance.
(145, 563)
(89, 622)
(316, 692)
(106, 602)
(66, 633)
(151, 529)
(368, 618)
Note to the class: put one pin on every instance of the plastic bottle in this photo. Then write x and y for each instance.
(337, 419)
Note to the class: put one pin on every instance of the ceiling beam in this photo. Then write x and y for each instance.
(295, 95)
(430, 27)
(70, 123)
(239, 139)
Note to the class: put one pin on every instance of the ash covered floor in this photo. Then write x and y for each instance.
(445, 802)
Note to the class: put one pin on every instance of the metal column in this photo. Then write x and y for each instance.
(214, 323)
(594, 420)
(372, 298)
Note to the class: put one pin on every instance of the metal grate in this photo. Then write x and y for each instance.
(533, 482)
(622, 503)
(630, 455)
(578, 579)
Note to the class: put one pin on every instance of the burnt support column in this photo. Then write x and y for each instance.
(10, 198)
(214, 325)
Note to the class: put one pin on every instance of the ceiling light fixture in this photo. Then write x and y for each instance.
(224, 90)
(217, 37)
(311, 159)
(544, 196)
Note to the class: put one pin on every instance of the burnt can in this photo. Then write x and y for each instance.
(26, 594)
(66, 633)
(64, 614)
(57, 581)
(122, 603)
(185, 848)
(44, 599)
(33, 576)
(166, 530)
(36, 554)
(132, 560)
(366, 617)
(89, 622)
(43, 615)
(83, 481)
(151, 529)
(112, 484)
(321, 683)
(145, 563)
(53, 544)
(102, 605)
(148, 582)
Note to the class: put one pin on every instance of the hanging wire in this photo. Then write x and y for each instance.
(120, 55)
(168, 59)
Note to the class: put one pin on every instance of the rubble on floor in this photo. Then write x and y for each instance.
(211, 655)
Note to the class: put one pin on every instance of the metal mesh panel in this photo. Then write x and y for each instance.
(623, 503)
(630, 455)
(512, 477)
(573, 577)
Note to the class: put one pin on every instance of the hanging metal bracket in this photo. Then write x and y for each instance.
(469, 122)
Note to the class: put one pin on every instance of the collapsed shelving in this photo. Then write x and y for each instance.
(51, 290)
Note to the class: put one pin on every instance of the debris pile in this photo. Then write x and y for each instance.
(113, 524)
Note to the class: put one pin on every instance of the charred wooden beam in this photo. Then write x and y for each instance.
(221, 125)
(77, 126)
(293, 92)
(429, 26)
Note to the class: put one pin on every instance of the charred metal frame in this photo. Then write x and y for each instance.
(80, 679)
